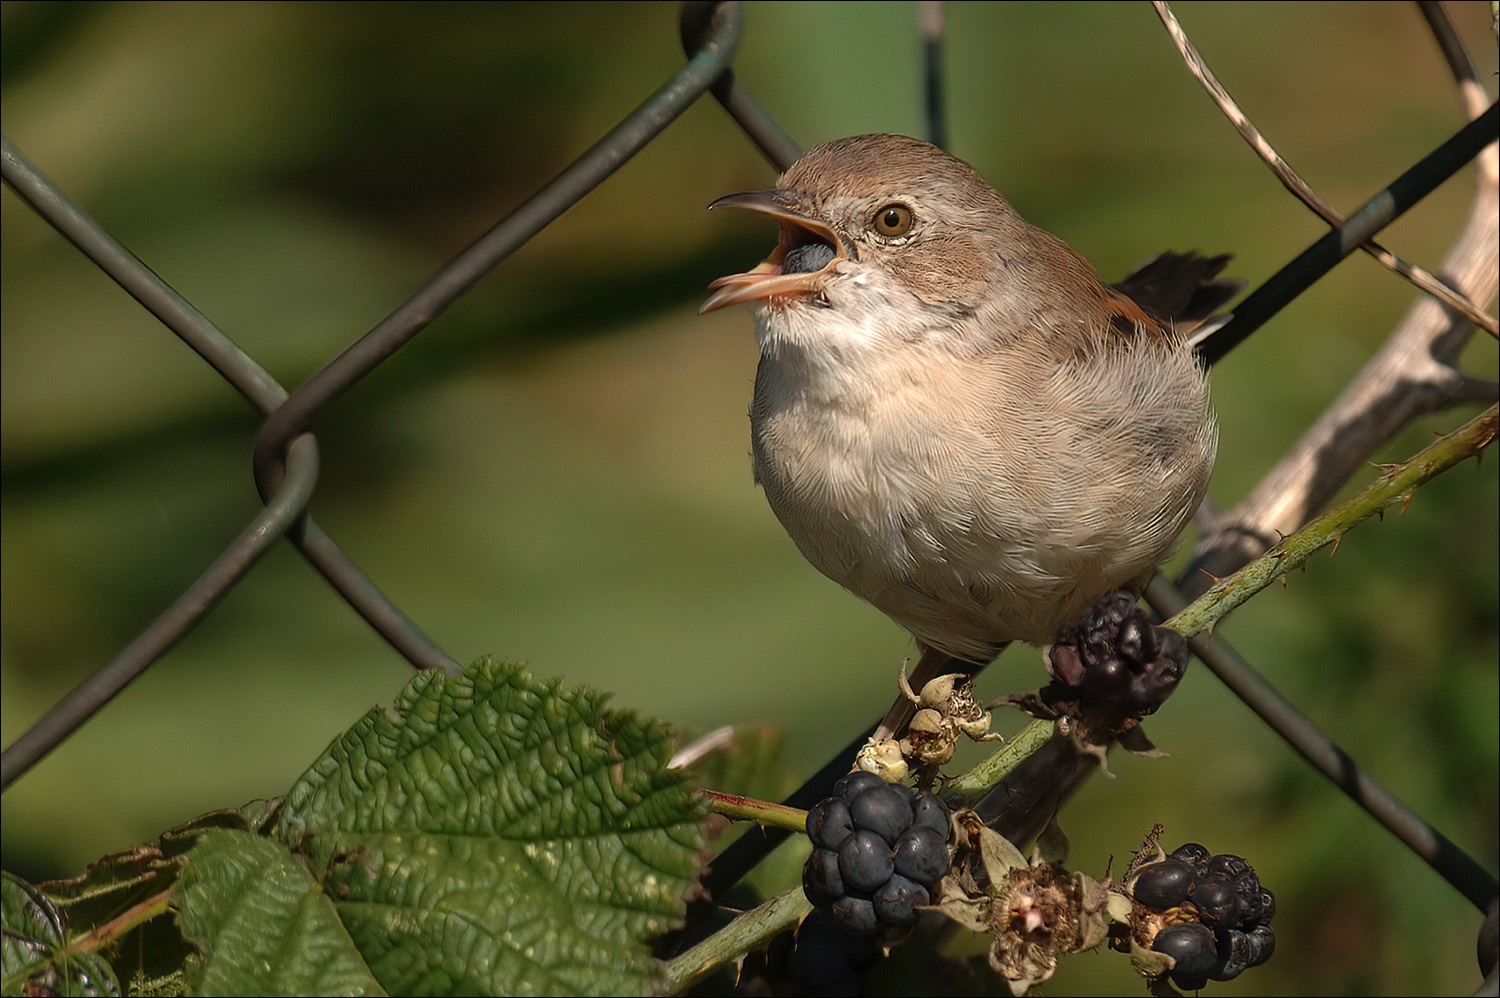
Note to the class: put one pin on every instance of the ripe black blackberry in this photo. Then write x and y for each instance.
(879, 849)
(1218, 914)
(1115, 662)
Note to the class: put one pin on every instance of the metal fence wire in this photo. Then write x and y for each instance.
(286, 454)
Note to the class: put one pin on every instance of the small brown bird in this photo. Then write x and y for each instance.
(954, 417)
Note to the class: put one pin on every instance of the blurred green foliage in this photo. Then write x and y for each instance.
(556, 469)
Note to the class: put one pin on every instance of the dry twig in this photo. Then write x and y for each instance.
(1294, 183)
(1413, 374)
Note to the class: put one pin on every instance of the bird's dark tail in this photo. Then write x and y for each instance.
(1185, 290)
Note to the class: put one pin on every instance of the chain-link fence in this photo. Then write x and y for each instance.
(291, 461)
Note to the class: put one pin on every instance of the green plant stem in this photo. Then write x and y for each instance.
(1396, 485)
(110, 932)
(749, 931)
(738, 808)
(987, 775)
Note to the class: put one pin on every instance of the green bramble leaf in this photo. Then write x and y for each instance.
(492, 834)
(262, 923)
(486, 834)
(35, 956)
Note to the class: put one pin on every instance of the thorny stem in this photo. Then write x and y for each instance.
(1395, 485)
(764, 813)
(750, 931)
(131, 918)
(984, 777)
(1415, 372)
(1299, 731)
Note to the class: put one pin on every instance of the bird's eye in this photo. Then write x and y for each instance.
(892, 220)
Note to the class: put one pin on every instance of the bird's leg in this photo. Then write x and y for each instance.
(932, 664)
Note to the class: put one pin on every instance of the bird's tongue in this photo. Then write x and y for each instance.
(795, 269)
(807, 258)
(792, 271)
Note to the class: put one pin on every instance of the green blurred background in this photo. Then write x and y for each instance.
(556, 469)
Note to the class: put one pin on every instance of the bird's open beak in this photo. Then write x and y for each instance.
(803, 254)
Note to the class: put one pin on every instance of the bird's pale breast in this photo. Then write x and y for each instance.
(979, 502)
